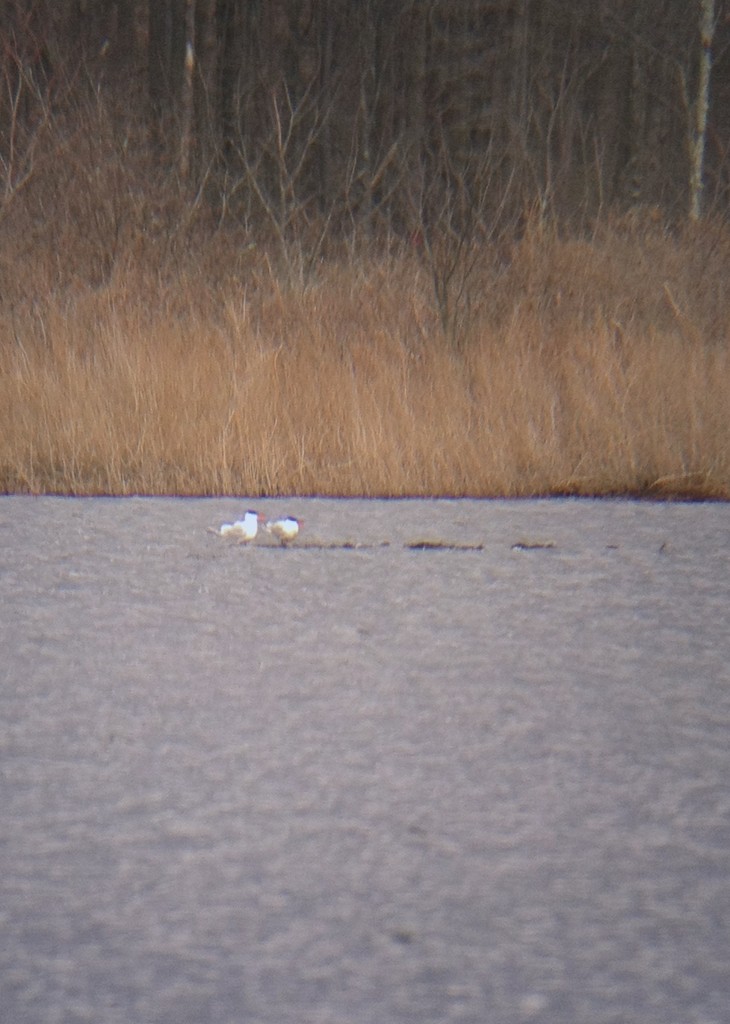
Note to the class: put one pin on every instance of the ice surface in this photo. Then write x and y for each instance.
(364, 784)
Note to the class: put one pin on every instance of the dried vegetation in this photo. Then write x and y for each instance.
(146, 347)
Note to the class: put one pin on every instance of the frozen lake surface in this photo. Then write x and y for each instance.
(365, 785)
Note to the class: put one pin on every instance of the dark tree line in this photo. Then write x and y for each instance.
(396, 112)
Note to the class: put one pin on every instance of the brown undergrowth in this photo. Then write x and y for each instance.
(348, 387)
(186, 361)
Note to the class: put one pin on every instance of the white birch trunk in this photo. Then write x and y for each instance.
(698, 130)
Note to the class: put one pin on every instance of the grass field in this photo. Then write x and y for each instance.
(597, 365)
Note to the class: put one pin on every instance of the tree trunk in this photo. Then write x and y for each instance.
(229, 54)
(187, 98)
(701, 107)
(166, 29)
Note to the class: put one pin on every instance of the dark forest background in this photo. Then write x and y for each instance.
(365, 247)
(324, 116)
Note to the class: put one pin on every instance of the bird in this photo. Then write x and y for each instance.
(285, 530)
(243, 530)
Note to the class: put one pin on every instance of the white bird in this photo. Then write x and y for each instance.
(244, 530)
(285, 530)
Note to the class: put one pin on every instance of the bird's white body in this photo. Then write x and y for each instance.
(285, 530)
(243, 530)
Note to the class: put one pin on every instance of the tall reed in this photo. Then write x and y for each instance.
(575, 373)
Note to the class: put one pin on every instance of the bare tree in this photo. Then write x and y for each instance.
(165, 57)
(26, 89)
(187, 99)
(698, 128)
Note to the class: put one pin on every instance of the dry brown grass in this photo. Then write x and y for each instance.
(577, 374)
(147, 348)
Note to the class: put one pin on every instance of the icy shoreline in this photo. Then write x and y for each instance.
(437, 761)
